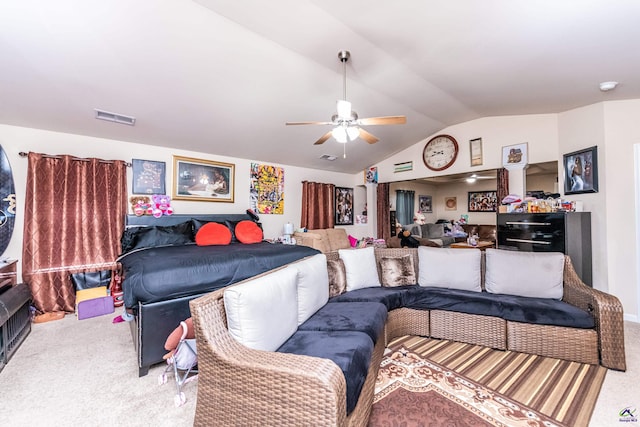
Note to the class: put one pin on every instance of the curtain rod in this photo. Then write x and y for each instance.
(50, 156)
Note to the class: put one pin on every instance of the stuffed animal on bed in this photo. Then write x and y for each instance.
(161, 205)
(407, 240)
(141, 205)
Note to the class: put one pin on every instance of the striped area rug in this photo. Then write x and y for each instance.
(564, 391)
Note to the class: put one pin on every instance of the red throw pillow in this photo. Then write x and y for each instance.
(213, 233)
(248, 232)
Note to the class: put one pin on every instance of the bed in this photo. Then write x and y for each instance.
(164, 269)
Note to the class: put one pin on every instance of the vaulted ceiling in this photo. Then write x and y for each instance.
(222, 77)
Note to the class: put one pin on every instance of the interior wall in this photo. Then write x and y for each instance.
(460, 190)
(16, 139)
(420, 189)
(543, 182)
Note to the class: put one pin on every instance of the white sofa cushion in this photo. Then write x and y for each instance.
(450, 268)
(527, 274)
(313, 285)
(262, 313)
(360, 266)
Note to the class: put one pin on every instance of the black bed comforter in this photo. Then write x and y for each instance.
(164, 273)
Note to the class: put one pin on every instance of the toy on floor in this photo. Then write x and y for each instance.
(407, 240)
(182, 358)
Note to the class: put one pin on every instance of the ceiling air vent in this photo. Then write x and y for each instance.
(328, 157)
(114, 117)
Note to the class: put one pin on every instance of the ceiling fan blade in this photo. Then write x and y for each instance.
(388, 120)
(368, 137)
(323, 138)
(308, 123)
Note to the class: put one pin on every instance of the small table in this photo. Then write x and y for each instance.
(464, 245)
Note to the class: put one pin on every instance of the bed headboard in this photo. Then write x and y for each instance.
(178, 218)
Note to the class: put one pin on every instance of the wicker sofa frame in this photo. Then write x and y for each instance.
(238, 385)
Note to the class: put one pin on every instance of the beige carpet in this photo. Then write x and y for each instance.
(83, 372)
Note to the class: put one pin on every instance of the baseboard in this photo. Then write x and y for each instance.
(631, 318)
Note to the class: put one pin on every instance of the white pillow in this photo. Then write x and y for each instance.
(263, 313)
(450, 268)
(360, 266)
(313, 285)
(527, 274)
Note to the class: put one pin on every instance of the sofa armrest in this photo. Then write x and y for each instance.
(311, 239)
(291, 389)
(607, 312)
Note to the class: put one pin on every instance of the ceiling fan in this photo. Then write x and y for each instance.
(347, 125)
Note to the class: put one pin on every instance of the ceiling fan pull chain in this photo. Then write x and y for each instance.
(344, 151)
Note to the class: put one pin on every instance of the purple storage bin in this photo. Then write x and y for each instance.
(95, 307)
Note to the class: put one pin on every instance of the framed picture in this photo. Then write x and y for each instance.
(344, 206)
(581, 171)
(371, 175)
(514, 155)
(475, 148)
(202, 180)
(149, 177)
(425, 204)
(450, 204)
(483, 201)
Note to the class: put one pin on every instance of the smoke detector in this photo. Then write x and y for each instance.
(607, 86)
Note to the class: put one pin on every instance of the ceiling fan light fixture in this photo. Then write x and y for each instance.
(339, 134)
(353, 133)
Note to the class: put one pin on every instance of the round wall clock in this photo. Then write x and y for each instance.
(440, 152)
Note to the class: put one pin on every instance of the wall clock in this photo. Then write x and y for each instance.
(440, 152)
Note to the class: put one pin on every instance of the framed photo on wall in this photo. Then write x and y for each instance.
(202, 180)
(149, 177)
(515, 155)
(426, 205)
(344, 206)
(581, 171)
(482, 201)
(450, 204)
(475, 148)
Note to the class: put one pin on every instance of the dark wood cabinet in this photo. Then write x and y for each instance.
(566, 232)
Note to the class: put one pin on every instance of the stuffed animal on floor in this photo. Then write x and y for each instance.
(141, 205)
(407, 240)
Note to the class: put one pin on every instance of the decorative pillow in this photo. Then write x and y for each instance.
(313, 285)
(414, 229)
(435, 231)
(360, 266)
(450, 268)
(353, 241)
(213, 233)
(397, 271)
(527, 274)
(337, 277)
(197, 224)
(248, 232)
(152, 236)
(262, 313)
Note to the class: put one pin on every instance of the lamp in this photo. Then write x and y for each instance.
(288, 231)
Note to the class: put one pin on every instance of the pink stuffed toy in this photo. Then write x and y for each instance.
(141, 205)
(161, 205)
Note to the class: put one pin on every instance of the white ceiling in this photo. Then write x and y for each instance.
(222, 77)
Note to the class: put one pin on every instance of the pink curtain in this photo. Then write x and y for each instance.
(384, 217)
(317, 205)
(74, 216)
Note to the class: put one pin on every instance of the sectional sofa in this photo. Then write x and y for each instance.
(302, 345)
